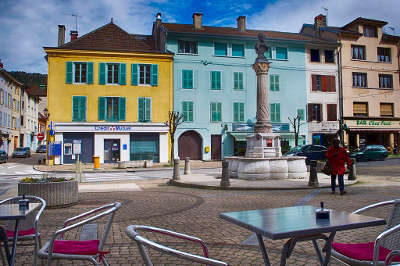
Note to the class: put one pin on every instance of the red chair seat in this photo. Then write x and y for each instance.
(30, 231)
(361, 251)
(87, 247)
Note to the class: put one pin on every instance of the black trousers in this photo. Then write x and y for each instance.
(340, 180)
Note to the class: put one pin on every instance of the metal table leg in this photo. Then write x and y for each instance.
(15, 238)
(263, 250)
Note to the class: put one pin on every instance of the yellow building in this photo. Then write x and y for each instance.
(109, 93)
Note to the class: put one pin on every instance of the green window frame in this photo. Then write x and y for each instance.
(187, 79)
(215, 112)
(275, 111)
(215, 77)
(187, 111)
(79, 108)
(237, 50)
(281, 53)
(220, 49)
(144, 109)
(112, 109)
(274, 82)
(300, 114)
(238, 80)
(238, 112)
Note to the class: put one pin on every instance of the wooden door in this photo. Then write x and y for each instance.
(190, 145)
(215, 147)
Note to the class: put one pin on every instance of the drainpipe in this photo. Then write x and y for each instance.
(339, 63)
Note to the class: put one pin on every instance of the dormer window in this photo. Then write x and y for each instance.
(370, 31)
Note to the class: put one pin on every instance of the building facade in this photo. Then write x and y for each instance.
(108, 95)
(29, 119)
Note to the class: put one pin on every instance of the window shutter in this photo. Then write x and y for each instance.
(320, 112)
(148, 109)
(300, 114)
(271, 83)
(241, 112)
(235, 112)
(82, 108)
(272, 112)
(185, 111)
(68, 78)
(278, 112)
(121, 108)
(102, 74)
(154, 75)
(102, 107)
(276, 82)
(332, 83)
(75, 108)
(89, 77)
(324, 83)
(219, 105)
(310, 112)
(141, 110)
(219, 80)
(134, 74)
(314, 82)
(190, 109)
(195, 79)
(122, 74)
(332, 112)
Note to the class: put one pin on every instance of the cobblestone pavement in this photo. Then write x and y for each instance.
(196, 211)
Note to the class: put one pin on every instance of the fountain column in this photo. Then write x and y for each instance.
(262, 125)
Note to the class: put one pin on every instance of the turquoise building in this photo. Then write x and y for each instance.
(215, 85)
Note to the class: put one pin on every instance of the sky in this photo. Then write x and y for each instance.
(26, 26)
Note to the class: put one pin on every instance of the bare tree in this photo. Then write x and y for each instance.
(295, 122)
(174, 120)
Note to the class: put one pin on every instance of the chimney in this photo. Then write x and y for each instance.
(158, 18)
(61, 35)
(319, 21)
(1, 64)
(197, 20)
(74, 35)
(241, 23)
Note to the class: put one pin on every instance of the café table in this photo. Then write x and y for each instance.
(298, 223)
(10, 212)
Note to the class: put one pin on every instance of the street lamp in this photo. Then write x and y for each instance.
(46, 116)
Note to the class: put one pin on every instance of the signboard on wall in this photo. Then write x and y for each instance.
(77, 143)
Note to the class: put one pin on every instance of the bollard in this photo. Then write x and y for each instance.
(352, 171)
(225, 174)
(313, 180)
(176, 174)
(187, 166)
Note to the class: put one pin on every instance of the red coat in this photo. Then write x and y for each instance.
(337, 160)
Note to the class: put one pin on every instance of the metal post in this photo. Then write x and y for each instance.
(352, 171)
(313, 180)
(176, 174)
(225, 175)
(187, 166)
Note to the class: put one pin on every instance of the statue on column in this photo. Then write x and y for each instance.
(261, 48)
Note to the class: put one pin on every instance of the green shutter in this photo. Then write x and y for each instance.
(89, 77)
(219, 112)
(122, 108)
(240, 80)
(220, 49)
(278, 112)
(122, 74)
(271, 83)
(272, 112)
(190, 110)
(300, 113)
(241, 112)
(141, 109)
(102, 108)
(276, 82)
(134, 74)
(154, 75)
(237, 50)
(148, 110)
(102, 74)
(187, 79)
(68, 78)
(185, 111)
(82, 108)
(75, 108)
(218, 80)
(235, 112)
(281, 53)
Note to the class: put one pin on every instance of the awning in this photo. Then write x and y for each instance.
(239, 136)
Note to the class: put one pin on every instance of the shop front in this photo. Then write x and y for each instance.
(322, 133)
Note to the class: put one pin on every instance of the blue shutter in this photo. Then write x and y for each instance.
(154, 75)
(148, 110)
(134, 74)
(122, 74)
(141, 109)
(122, 111)
(102, 73)
(68, 78)
(89, 73)
(102, 108)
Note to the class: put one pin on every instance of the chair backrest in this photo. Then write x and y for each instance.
(142, 243)
(392, 241)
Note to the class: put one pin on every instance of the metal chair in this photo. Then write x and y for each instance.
(391, 256)
(28, 228)
(142, 243)
(373, 253)
(91, 250)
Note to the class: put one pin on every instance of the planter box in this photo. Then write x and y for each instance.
(56, 194)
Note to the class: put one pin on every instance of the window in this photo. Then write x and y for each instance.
(274, 82)
(144, 74)
(329, 56)
(22, 120)
(215, 112)
(360, 109)
(215, 80)
(387, 109)
(220, 49)
(144, 112)
(187, 79)
(1, 97)
(358, 52)
(112, 73)
(112, 108)
(360, 80)
(79, 108)
(238, 112)
(331, 112)
(187, 47)
(275, 112)
(268, 54)
(237, 49)
(1, 118)
(384, 54)
(314, 112)
(187, 111)
(238, 80)
(80, 72)
(385, 81)
(300, 114)
(281, 53)
(315, 55)
(323, 83)
(9, 101)
(370, 31)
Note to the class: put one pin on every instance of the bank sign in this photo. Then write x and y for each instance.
(112, 128)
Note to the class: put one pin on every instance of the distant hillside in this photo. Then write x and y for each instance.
(29, 78)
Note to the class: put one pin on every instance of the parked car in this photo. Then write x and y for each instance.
(41, 149)
(370, 152)
(312, 152)
(21, 152)
(3, 157)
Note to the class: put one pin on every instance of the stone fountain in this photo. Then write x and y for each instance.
(263, 158)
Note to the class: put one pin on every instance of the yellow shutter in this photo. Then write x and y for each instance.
(360, 108)
(387, 109)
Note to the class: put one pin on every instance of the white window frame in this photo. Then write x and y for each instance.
(144, 78)
(106, 74)
(80, 72)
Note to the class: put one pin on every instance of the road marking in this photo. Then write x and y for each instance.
(12, 166)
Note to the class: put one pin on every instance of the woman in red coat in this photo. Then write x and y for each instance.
(337, 157)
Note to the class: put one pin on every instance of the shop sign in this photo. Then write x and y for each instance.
(243, 127)
(373, 123)
(112, 128)
(281, 127)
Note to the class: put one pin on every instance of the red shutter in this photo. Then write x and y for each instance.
(310, 113)
(324, 83)
(332, 83)
(332, 112)
(314, 82)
